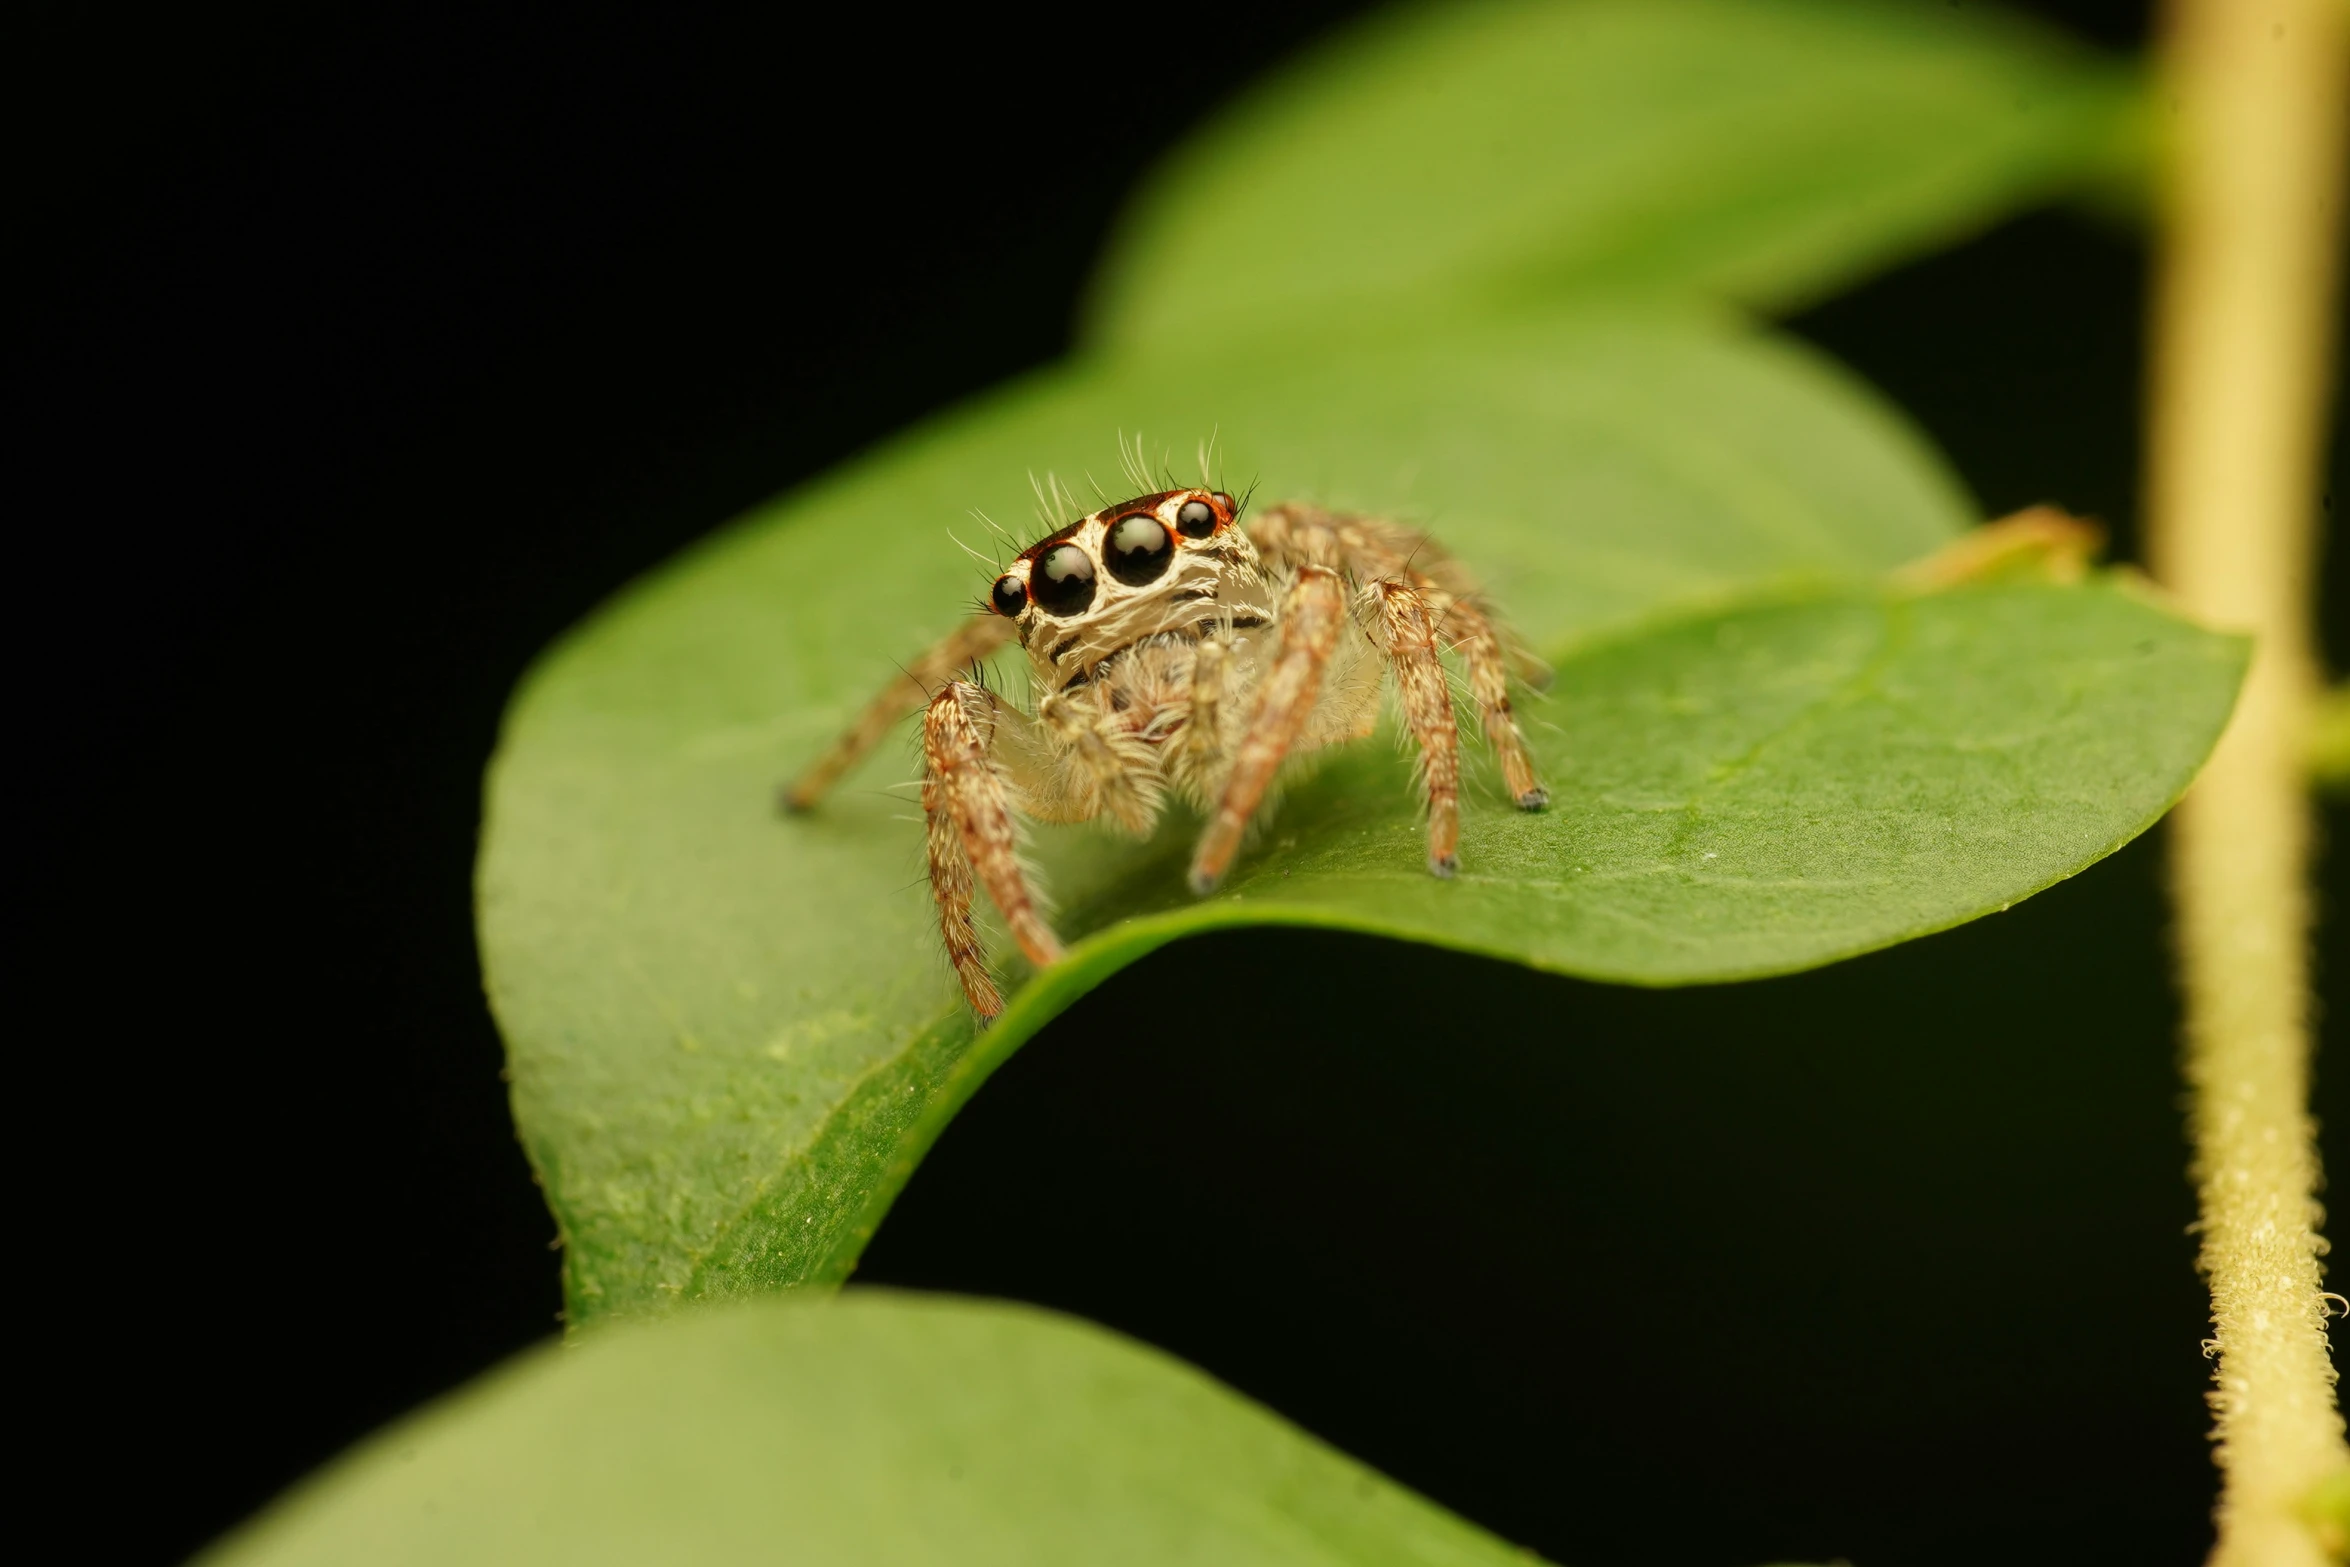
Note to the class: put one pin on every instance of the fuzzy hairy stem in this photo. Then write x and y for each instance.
(2253, 106)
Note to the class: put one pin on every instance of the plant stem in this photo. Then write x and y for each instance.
(2253, 107)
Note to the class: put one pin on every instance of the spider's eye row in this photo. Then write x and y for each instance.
(1061, 581)
(1137, 549)
(1197, 519)
(1008, 595)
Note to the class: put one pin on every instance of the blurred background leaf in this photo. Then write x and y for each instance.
(1448, 156)
(882, 1430)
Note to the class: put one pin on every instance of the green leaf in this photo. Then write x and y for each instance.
(1507, 149)
(732, 1035)
(721, 1025)
(870, 1429)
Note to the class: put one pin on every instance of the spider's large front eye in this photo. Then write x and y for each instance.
(1008, 596)
(1061, 580)
(1197, 519)
(1138, 550)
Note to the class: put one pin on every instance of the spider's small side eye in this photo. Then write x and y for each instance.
(1197, 519)
(1009, 596)
(1138, 549)
(1061, 581)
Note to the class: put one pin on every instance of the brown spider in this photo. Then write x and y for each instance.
(1178, 651)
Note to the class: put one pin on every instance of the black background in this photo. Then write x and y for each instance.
(354, 355)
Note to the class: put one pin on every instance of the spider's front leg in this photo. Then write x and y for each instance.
(1313, 614)
(967, 812)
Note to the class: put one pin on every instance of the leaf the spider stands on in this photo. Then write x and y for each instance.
(1456, 154)
(869, 1429)
(699, 999)
(732, 1034)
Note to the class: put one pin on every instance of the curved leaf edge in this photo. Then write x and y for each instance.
(1044, 995)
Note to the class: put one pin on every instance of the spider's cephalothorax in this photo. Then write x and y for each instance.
(1173, 649)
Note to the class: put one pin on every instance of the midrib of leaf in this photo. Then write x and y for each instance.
(1861, 682)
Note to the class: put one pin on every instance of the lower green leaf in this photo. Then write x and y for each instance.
(870, 1429)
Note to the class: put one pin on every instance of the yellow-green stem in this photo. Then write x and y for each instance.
(2252, 106)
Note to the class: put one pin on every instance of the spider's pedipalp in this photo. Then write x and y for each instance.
(1200, 747)
(1118, 768)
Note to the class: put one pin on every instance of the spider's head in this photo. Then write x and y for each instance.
(1153, 564)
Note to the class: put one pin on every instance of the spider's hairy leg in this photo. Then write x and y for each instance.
(967, 810)
(1489, 684)
(951, 887)
(1120, 775)
(1313, 614)
(1374, 550)
(974, 639)
(1410, 634)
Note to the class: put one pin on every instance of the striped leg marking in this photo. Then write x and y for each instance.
(1427, 708)
(1489, 683)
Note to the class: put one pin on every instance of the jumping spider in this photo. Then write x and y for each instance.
(1178, 651)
